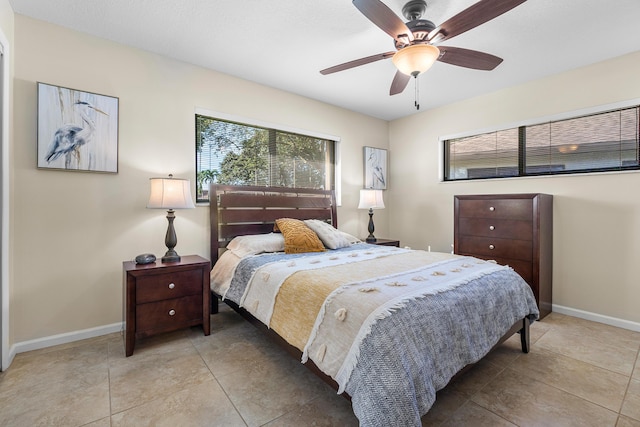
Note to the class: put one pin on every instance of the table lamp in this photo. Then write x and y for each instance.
(170, 193)
(371, 199)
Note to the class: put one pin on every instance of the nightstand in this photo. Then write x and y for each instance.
(163, 297)
(385, 242)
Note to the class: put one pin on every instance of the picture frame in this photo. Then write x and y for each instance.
(375, 168)
(77, 130)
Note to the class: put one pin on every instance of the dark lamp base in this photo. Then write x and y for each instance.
(171, 240)
(371, 228)
(171, 256)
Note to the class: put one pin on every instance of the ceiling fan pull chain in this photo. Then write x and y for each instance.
(417, 92)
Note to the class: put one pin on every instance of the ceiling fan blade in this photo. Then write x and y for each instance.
(400, 81)
(378, 13)
(477, 14)
(357, 63)
(468, 58)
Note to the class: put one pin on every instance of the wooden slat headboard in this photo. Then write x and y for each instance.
(242, 210)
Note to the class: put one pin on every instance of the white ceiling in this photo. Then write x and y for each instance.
(284, 43)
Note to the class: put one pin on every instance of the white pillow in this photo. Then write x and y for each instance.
(331, 237)
(256, 244)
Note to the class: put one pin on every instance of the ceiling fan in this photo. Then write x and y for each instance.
(415, 41)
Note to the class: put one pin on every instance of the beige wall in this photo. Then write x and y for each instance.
(6, 19)
(596, 217)
(73, 230)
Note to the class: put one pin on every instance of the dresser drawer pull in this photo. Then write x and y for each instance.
(491, 208)
(172, 312)
(172, 285)
(491, 227)
(491, 247)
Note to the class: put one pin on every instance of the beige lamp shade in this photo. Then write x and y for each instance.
(415, 59)
(170, 193)
(371, 199)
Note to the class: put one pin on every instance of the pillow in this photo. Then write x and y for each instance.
(330, 236)
(256, 244)
(298, 238)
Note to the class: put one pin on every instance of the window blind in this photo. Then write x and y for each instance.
(605, 141)
(240, 154)
(493, 154)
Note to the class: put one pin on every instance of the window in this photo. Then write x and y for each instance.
(234, 153)
(604, 141)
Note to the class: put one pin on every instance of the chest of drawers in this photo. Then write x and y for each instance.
(162, 297)
(512, 229)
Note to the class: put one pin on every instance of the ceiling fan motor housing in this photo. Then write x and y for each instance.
(420, 29)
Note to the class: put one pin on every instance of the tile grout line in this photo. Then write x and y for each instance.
(511, 367)
(109, 375)
(626, 392)
(219, 385)
(591, 364)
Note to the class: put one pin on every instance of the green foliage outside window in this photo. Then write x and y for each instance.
(238, 154)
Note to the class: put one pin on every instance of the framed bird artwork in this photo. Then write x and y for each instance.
(375, 168)
(77, 130)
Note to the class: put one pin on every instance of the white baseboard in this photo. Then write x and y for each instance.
(600, 318)
(65, 338)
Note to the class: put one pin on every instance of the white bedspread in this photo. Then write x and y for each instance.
(223, 271)
(260, 294)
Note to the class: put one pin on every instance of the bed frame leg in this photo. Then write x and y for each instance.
(214, 303)
(525, 336)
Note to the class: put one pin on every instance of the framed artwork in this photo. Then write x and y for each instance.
(77, 131)
(375, 168)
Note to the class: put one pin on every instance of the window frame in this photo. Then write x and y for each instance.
(568, 115)
(278, 127)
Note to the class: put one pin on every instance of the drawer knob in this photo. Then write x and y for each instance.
(491, 247)
(172, 312)
(491, 208)
(172, 285)
(491, 227)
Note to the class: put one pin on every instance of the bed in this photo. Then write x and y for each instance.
(386, 327)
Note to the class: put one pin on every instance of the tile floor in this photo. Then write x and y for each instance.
(578, 373)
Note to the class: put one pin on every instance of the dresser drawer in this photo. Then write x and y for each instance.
(169, 314)
(493, 247)
(493, 227)
(497, 208)
(158, 287)
(523, 268)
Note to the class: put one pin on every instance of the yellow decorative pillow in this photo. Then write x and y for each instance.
(298, 238)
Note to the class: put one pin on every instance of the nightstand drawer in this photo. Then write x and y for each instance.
(491, 247)
(501, 228)
(164, 315)
(159, 287)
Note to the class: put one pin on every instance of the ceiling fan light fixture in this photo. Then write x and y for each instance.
(415, 59)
